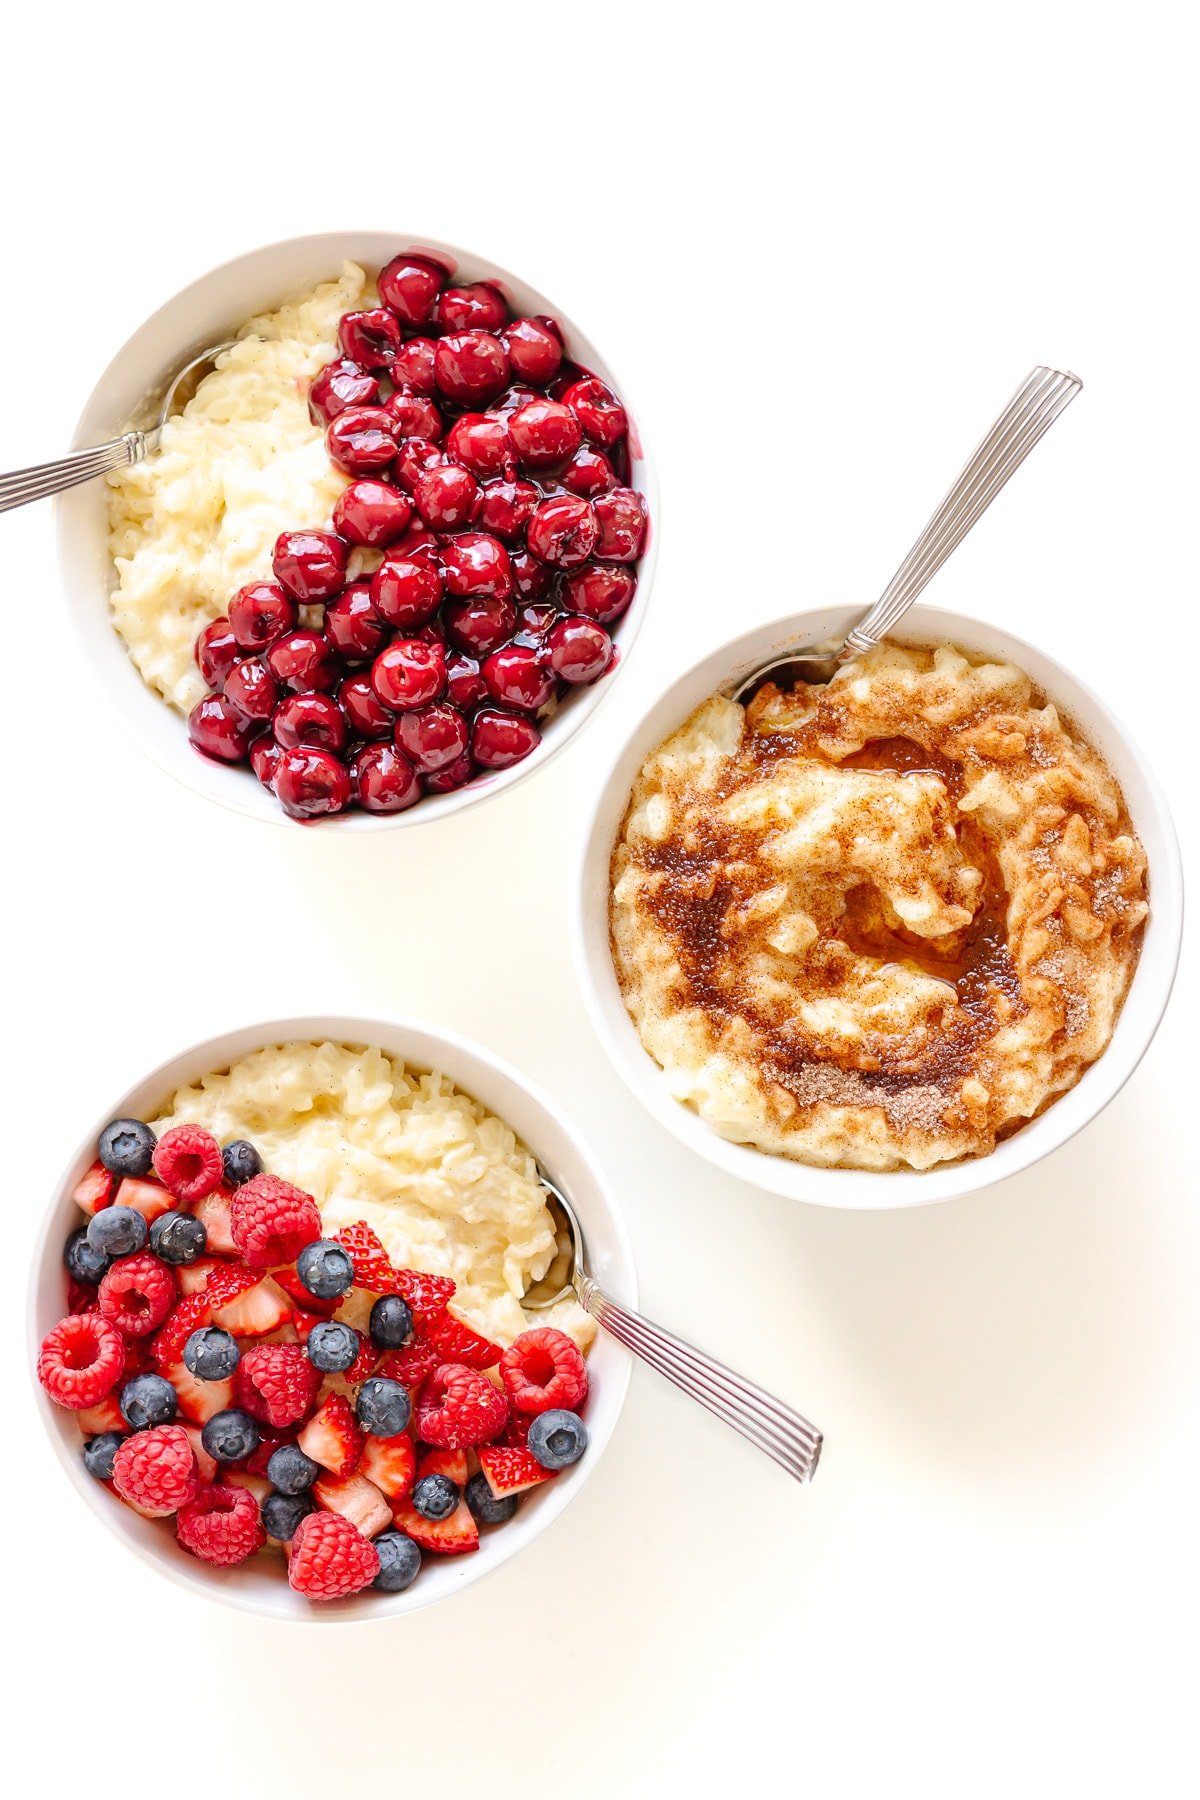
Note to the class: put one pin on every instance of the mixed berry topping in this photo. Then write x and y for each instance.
(217, 1384)
(394, 655)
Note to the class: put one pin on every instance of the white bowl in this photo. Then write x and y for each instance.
(214, 308)
(860, 1189)
(260, 1585)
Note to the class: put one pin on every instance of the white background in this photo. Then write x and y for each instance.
(822, 245)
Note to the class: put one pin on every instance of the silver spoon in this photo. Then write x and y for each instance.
(773, 1426)
(39, 482)
(1042, 396)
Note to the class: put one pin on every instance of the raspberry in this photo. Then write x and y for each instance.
(456, 1342)
(458, 1407)
(156, 1469)
(543, 1369)
(81, 1360)
(330, 1557)
(187, 1159)
(276, 1383)
(272, 1221)
(136, 1294)
(221, 1525)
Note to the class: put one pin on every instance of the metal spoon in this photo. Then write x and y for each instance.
(43, 479)
(1042, 396)
(774, 1427)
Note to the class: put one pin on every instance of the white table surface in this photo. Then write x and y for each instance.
(822, 253)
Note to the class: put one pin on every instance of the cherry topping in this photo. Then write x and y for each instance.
(384, 780)
(301, 661)
(446, 496)
(533, 350)
(371, 513)
(500, 738)
(544, 433)
(432, 737)
(216, 651)
(413, 367)
(621, 517)
(339, 385)
(367, 714)
(516, 675)
(600, 593)
(465, 686)
(370, 338)
(406, 590)
(217, 730)
(505, 507)
(409, 673)
(310, 782)
(589, 472)
(260, 613)
(479, 626)
(454, 775)
(598, 410)
(310, 565)
(531, 578)
(310, 719)
(362, 439)
(562, 531)
(476, 308)
(252, 690)
(579, 650)
(477, 566)
(480, 442)
(470, 368)
(409, 285)
(352, 625)
(264, 759)
(413, 415)
(537, 618)
(414, 457)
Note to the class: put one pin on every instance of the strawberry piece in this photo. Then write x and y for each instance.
(256, 1313)
(332, 1437)
(258, 1485)
(363, 1364)
(356, 1499)
(511, 1471)
(198, 1400)
(413, 1365)
(221, 1525)
(80, 1361)
(206, 1465)
(94, 1189)
(139, 1359)
(272, 1221)
(107, 1416)
(390, 1463)
(426, 1295)
(459, 1407)
(455, 1341)
(214, 1213)
(303, 1322)
(146, 1197)
(515, 1435)
(372, 1269)
(452, 1464)
(454, 1536)
(81, 1299)
(330, 1558)
(300, 1296)
(192, 1277)
(227, 1280)
(189, 1316)
(269, 1440)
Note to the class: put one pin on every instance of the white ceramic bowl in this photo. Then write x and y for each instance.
(260, 1585)
(858, 1189)
(214, 308)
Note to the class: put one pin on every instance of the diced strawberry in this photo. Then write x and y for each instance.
(357, 1499)
(106, 1416)
(450, 1463)
(226, 1280)
(515, 1435)
(81, 1299)
(391, 1464)
(300, 1297)
(451, 1537)
(198, 1400)
(412, 1365)
(258, 1485)
(256, 1313)
(426, 1295)
(511, 1471)
(206, 1465)
(372, 1269)
(142, 1511)
(332, 1437)
(167, 1345)
(269, 1440)
(94, 1189)
(304, 1322)
(194, 1276)
(455, 1341)
(146, 1197)
(213, 1213)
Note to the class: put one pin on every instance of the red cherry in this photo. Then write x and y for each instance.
(310, 565)
(302, 661)
(598, 410)
(367, 714)
(384, 780)
(371, 513)
(480, 442)
(414, 457)
(413, 367)
(470, 368)
(409, 285)
(409, 673)
(406, 591)
(476, 308)
(537, 619)
(500, 738)
(455, 775)
(479, 626)
(413, 415)
(579, 650)
(310, 720)
(339, 385)
(217, 730)
(600, 593)
(417, 541)
(260, 613)
(465, 686)
(445, 496)
(362, 440)
(476, 566)
(505, 507)
(310, 782)
(432, 737)
(352, 625)
(562, 531)
(533, 350)
(252, 690)
(264, 760)
(216, 651)
(589, 472)
(621, 517)
(531, 578)
(544, 433)
(370, 338)
(513, 398)
(516, 676)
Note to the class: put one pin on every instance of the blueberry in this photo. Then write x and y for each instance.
(325, 1269)
(177, 1238)
(557, 1438)
(127, 1147)
(399, 1560)
(391, 1322)
(99, 1454)
(332, 1347)
(242, 1162)
(290, 1470)
(281, 1513)
(210, 1354)
(383, 1406)
(117, 1231)
(84, 1262)
(484, 1504)
(435, 1496)
(231, 1435)
(148, 1400)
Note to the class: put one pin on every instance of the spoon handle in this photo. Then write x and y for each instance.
(773, 1426)
(1043, 395)
(23, 485)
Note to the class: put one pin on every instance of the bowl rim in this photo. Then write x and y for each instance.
(218, 782)
(859, 1189)
(210, 1053)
